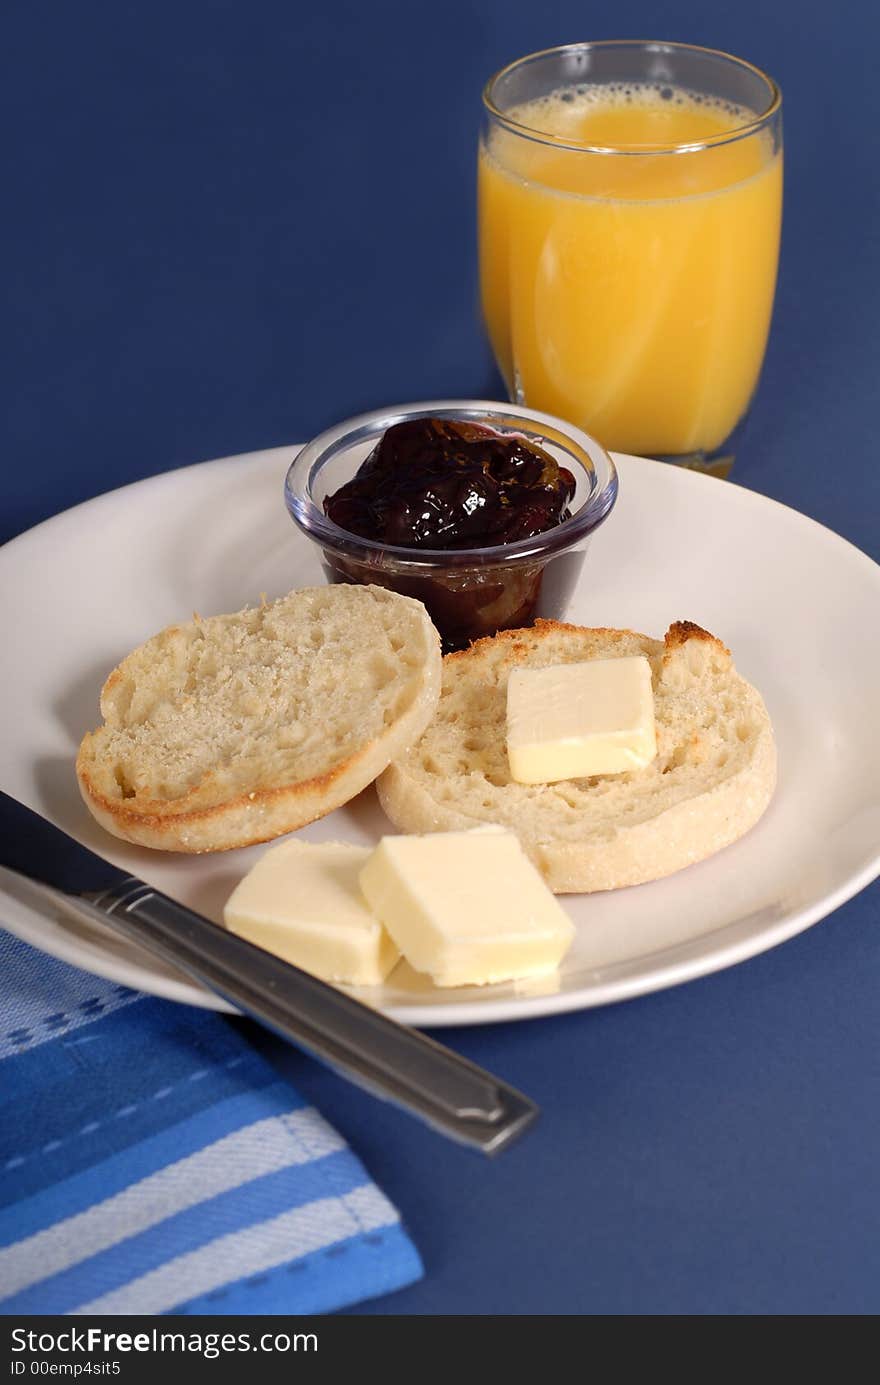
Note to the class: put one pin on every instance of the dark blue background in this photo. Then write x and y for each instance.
(230, 224)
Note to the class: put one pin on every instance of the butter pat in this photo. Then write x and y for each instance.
(466, 907)
(574, 720)
(303, 902)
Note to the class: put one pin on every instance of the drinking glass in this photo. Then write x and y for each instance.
(630, 202)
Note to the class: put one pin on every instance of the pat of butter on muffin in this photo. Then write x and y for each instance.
(570, 721)
(468, 908)
(303, 902)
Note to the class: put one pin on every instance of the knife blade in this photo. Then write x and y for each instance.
(388, 1059)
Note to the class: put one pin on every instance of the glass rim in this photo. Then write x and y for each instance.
(656, 45)
(582, 449)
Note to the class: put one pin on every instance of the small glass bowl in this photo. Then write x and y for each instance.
(469, 592)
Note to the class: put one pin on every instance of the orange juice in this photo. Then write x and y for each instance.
(630, 292)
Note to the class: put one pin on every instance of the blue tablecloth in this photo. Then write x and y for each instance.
(230, 226)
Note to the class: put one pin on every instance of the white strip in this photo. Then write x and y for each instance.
(36, 987)
(74, 1019)
(244, 1253)
(264, 1147)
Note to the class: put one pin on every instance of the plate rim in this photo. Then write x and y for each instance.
(623, 980)
(700, 478)
(472, 1013)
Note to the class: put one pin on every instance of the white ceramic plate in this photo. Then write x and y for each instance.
(795, 603)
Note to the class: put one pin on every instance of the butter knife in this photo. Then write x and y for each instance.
(390, 1060)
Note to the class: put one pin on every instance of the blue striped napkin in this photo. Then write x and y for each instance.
(153, 1163)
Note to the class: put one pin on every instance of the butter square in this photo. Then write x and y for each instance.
(302, 901)
(468, 908)
(569, 721)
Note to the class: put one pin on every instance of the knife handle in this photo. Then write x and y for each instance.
(389, 1059)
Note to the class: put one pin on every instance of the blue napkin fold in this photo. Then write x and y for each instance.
(153, 1163)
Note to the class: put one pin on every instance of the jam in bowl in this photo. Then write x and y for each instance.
(482, 511)
(439, 483)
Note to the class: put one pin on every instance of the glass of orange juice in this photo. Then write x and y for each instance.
(630, 201)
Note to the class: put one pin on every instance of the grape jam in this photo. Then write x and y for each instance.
(437, 483)
(448, 485)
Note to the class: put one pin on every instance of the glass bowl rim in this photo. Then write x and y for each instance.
(589, 455)
(645, 151)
